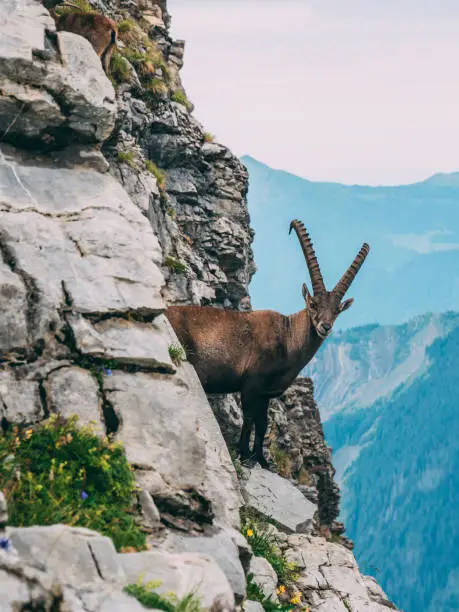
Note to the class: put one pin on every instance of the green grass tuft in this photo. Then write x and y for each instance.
(265, 544)
(208, 137)
(83, 7)
(127, 157)
(158, 173)
(57, 472)
(180, 97)
(146, 595)
(177, 354)
(175, 264)
(126, 25)
(120, 71)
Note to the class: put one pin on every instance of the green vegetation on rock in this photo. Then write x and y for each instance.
(146, 594)
(57, 472)
(175, 264)
(177, 354)
(265, 544)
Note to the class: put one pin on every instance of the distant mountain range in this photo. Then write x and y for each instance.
(389, 396)
(413, 231)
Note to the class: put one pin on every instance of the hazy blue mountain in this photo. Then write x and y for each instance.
(389, 396)
(413, 231)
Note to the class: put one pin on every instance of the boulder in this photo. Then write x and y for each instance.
(53, 87)
(73, 555)
(222, 548)
(278, 499)
(264, 577)
(181, 573)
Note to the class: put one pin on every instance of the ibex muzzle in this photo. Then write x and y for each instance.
(261, 353)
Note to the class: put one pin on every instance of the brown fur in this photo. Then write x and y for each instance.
(259, 354)
(101, 32)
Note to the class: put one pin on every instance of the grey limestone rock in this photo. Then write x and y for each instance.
(278, 499)
(222, 548)
(181, 573)
(52, 85)
(264, 577)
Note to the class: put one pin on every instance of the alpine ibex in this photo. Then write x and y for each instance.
(101, 31)
(260, 353)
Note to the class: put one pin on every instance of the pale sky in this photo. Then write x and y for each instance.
(355, 91)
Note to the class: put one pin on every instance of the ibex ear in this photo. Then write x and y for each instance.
(346, 304)
(305, 292)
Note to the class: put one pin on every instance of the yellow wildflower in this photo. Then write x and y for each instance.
(69, 438)
(280, 590)
(28, 434)
(296, 599)
(249, 533)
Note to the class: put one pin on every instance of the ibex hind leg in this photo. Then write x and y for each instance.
(261, 425)
(255, 410)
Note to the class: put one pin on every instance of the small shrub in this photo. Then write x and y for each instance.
(127, 157)
(158, 173)
(146, 595)
(180, 97)
(177, 354)
(265, 544)
(175, 264)
(61, 473)
(208, 137)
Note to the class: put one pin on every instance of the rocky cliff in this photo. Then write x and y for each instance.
(113, 202)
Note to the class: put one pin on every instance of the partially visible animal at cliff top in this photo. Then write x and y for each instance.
(260, 353)
(101, 31)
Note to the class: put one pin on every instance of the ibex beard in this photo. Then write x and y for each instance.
(260, 353)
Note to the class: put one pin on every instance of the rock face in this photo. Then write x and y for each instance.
(296, 431)
(330, 579)
(111, 206)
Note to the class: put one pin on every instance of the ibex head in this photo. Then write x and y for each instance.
(325, 306)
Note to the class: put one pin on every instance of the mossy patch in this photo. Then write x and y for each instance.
(57, 472)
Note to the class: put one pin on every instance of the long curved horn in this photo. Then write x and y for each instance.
(345, 281)
(318, 285)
